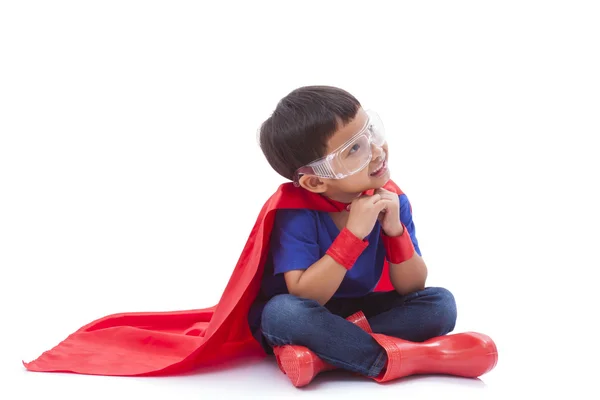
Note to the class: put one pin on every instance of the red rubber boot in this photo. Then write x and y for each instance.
(301, 365)
(467, 354)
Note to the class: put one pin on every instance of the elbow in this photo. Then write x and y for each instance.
(411, 287)
(295, 290)
(293, 283)
(306, 294)
(410, 280)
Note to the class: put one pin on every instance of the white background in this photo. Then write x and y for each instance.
(130, 175)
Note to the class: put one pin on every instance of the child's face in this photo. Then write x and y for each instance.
(373, 176)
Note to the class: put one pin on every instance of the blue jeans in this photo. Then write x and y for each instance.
(287, 319)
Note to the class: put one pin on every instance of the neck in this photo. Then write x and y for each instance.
(345, 198)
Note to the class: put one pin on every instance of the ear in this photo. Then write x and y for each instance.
(313, 184)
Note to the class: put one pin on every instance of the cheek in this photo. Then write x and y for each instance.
(356, 182)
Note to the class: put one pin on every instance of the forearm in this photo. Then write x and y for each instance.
(319, 282)
(409, 276)
(323, 278)
(408, 271)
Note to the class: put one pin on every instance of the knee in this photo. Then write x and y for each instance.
(442, 318)
(284, 311)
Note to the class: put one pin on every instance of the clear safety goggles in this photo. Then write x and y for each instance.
(351, 157)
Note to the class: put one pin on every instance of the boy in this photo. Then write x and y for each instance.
(331, 275)
(317, 307)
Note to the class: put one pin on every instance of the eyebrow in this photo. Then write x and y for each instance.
(360, 131)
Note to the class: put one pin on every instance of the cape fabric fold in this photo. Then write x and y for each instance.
(166, 343)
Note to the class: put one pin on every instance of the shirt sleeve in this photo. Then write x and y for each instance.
(294, 243)
(407, 219)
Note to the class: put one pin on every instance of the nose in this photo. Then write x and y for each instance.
(377, 152)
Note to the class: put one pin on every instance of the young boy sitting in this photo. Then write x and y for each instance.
(317, 308)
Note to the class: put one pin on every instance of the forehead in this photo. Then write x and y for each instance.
(345, 133)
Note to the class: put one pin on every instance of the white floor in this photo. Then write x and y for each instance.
(261, 379)
(532, 361)
(130, 175)
(258, 381)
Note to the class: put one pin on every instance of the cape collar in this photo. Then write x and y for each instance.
(341, 206)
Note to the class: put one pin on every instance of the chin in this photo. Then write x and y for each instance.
(374, 185)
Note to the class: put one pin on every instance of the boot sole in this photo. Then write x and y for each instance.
(297, 364)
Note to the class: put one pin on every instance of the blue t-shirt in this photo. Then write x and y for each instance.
(302, 237)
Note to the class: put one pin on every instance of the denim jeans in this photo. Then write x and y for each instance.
(287, 319)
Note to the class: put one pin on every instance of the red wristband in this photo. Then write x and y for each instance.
(346, 248)
(398, 248)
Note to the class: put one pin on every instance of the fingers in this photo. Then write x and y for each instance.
(385, 193)
(366, 199)
(383, 204)
(374, 199)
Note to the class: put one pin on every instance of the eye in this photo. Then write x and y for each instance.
(354, 148)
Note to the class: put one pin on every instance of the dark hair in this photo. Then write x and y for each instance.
(303, 121)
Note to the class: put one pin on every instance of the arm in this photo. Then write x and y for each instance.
(319, 282)
(407, 276)
(323, 278)
(408, 271)
(296, 255)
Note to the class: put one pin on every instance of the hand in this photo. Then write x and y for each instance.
(390, 216)
(364, 212)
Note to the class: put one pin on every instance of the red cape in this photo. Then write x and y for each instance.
(161, 343)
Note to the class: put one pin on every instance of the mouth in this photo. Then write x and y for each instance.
(381, 169)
